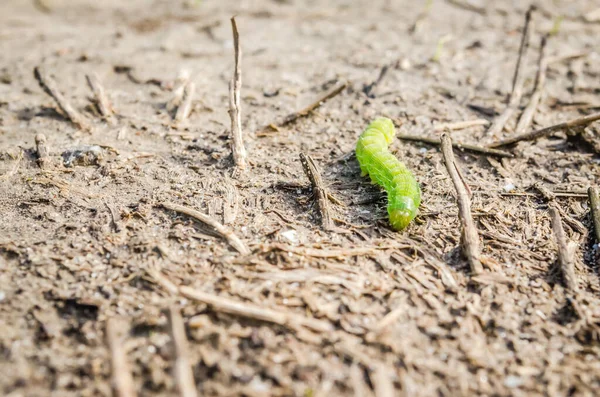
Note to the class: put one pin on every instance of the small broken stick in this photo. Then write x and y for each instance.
(48, 84)
(184, 376)
(594, 198)
(314, 176)
(185, 107)
(470, 237)
(122, 382)
(290, 118)
(540, 79)
(41, 144)
(566, 251)
(221, 230)
(517, 84)
(102, 102)
(235, 107)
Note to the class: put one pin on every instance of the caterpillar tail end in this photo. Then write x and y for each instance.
(402, 211)
(400, 219)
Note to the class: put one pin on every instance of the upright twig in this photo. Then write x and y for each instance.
(579, 122)
(102, 102)
(48, 84)
(566, 251)
(42, 150)
(238, 149)
(517, 84)
(183, 370)
(185, 107)
(470, 237)
(314, 176)
(122, 381)
(594, 197)
(218, 228)
(457, 145)
(179, 87)
(540, 79)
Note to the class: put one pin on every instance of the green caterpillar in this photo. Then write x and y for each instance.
(404, 193)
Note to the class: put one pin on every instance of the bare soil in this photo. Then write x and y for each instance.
(80, 237)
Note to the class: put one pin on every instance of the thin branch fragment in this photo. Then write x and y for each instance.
(457, 145)
(566, 251)
(290, 118)
(49, 86)
(122, 381)
(183, 370)
(102, 101)
(460, 125)
(221, 230)
(470, 237)
(579, 122)
(382, 381)
(594, 197)
(157, 277)
(184, 109)
(517, 84)
(314, 176)
(42, 151)
(540, 79)
(235, 86)
(179, 87)
(250, 310)
(330, 253)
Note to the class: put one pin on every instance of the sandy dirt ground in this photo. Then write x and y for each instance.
(90, 231)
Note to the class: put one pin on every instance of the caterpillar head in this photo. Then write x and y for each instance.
(402, 211)
(386, 126)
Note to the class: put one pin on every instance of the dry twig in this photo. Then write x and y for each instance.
(235, 86)
(330, 253)
(183, 370)
(48, 84)
(457, 145)
(517, 84)
(42, 150)
(579, 122)
(102, 102)
(290, 118)
(221, 230)
(184, 109)
(540, 79)
(122, 381)
(594, 197)
(382, 381)
(566, 251)
(179, 87)
(314, 176)
(470, 238)
(250, 310)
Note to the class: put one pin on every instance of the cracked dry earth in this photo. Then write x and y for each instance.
(359, 310)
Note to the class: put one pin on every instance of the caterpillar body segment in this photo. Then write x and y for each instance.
(384, 169)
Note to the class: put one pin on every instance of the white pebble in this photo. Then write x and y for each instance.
(513, 381)
(290, 235)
